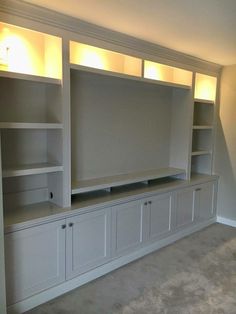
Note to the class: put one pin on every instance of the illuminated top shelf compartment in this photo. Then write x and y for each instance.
(107, 60)
(164, 73)
(28, 52)
(205, 88)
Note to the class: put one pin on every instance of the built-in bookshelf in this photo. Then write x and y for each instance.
(30, 117)
(203, 123)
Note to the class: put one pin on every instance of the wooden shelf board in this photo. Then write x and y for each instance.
(32, 169)
(29, 77)
(26, 125)
(204, 101)
(122, 179)
(201, 152)
(202, 127)
(126, 76)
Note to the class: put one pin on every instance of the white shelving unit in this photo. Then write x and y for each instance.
(31, 120)
(87, 127)
(203, 124)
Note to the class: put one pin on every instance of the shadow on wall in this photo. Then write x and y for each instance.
(225, 150)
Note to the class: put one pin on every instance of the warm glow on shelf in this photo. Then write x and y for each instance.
(29, 52)
(205, 87)
(161, 72)
(98, 58)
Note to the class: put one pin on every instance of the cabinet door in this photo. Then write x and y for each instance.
(35, 260)
(184, 207)
(88, 241)
(160, 216)
(205, 195)
(127, 227)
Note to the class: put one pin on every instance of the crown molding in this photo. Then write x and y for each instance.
(45, 16)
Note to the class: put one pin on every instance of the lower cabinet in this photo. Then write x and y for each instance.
(88, 241)
(205, 201)
(43, 256)
(195, 204)
(128, 227)
(160, 216)
(35, 260)
(184, 207)
(137, 222)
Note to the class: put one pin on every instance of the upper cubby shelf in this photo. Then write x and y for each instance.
(97, 60)
(30, 54)
(205, 88)
(160, 72)
(103, 59)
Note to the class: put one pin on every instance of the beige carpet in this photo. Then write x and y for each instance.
(195, 275)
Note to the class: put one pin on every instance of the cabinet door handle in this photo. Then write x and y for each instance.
(63, 227)
(150, 202)
(71, 224)
(145, 204)
(198, 189)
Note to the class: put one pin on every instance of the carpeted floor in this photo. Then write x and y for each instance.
(195, 275)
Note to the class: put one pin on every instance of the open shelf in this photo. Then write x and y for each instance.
(103, 59)
(126, 76)
(29, 53)
(205, 88)
(122, 179)
(22, 125)
(32, 169)
(168, 74)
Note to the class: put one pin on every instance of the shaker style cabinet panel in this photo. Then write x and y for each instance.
(205, 199)
(127, 227)
(160, 216)
(88, 241)
(35, 260)
(184, 207)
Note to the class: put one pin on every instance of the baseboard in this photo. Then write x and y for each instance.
(54, 292)
(226, 221)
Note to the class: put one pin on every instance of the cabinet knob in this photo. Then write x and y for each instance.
(145, 204)
(71, 224)
(63, 227)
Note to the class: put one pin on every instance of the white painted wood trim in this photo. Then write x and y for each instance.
(47, 295)
(226, 221)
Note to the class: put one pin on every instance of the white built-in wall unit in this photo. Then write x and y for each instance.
(107, 146)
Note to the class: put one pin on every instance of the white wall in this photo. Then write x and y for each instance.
(225, 162)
